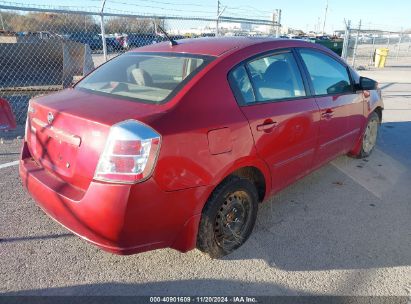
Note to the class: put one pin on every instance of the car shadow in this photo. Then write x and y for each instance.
(350, 214)
(395, 140)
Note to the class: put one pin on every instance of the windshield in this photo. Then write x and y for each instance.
(146, 77)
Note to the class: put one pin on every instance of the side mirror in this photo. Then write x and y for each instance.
(367, 84)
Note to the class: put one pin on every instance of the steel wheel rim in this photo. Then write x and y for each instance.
(232, 220)
(370, 135)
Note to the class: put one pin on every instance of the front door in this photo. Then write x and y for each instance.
(338, 103)
(283, 120)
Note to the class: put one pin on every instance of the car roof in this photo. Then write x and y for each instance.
(216, 46)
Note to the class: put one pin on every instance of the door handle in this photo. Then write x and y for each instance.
(267, 126)
(327, 113)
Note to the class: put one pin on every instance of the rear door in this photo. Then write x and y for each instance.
(341, 108)
(283, 118)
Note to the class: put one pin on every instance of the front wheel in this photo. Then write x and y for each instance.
(228, 217)
(369, 139)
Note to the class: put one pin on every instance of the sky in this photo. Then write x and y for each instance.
(393, 15)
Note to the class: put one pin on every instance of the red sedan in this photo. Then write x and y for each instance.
(176, 145)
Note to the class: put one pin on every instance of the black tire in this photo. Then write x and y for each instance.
(228, 217)
(368, 144)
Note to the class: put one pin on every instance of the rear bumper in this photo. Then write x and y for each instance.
(86, 214)
(122, 219)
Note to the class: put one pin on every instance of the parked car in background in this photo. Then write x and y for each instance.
(177, 37)
(7, 120)
(113, 44)
(139, 40)
(207, 35)
(323, 37)
(94, 41)
(176, 145)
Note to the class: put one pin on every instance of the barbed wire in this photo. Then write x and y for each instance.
(108, 5)
(91, 9)
(157, 2)
(94, 10)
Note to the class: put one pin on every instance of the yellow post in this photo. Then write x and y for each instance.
(380, 57)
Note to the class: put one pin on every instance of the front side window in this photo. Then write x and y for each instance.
(271, 78)
(151, 78)
(276, 77)
(328, 76)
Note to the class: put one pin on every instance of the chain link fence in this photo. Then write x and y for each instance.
(361, 44)
(44, 50)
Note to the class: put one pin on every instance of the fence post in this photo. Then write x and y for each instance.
(217, 19)
(388, 41)
(103, 33)
(1, 19)
(344, 53)
(398, 46)
(372, 50)
(356, 45)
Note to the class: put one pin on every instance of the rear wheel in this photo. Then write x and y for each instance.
(228, 217)
(369, 139)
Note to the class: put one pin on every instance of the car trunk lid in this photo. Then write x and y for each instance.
(67, 131)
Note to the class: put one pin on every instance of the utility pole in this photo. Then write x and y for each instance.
(103, 33)
(219, 13)
(318, 25)
(325, 17)
(278, 19)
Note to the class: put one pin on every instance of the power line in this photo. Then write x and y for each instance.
(253, 16)
(157, 7)
(158, 2)
(161, 8)
(247, 8)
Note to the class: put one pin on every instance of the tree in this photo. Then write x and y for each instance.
(51, 22)
(132, 25)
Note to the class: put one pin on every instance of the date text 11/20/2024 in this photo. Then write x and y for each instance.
(208, 299)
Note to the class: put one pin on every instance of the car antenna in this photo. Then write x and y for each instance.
(172, 41)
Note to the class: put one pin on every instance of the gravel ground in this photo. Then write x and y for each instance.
(343, 230)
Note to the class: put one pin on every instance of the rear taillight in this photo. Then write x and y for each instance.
(130, 153)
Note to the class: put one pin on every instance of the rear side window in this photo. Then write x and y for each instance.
(242, 85)
(152, 78)
(328, 76)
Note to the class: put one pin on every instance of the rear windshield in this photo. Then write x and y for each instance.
(145, 77)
